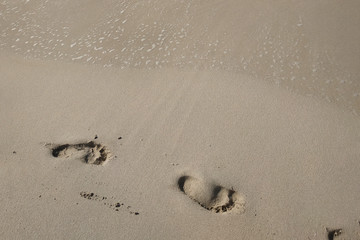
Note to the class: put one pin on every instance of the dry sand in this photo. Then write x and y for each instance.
(210, 119)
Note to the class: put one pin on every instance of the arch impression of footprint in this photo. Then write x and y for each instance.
(211, 196)
(92, 153)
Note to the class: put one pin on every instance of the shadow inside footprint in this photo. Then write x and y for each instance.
(95, 153)
(56, 151)
(181, 182)
(212, 197)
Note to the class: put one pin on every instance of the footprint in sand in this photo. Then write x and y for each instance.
(212, 197)
(332, 233)
(94, 153)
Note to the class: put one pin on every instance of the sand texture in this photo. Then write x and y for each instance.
(178, 119)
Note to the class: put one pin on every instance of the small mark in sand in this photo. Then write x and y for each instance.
(14, 152)
(333, 233)
(136, 213)
(115, 206)
(119, 138)
(96, 137)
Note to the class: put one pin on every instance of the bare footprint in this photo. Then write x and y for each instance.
(212, 197)
(94, 153)
(332, 233)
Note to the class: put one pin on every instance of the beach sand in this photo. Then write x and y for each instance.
(179, 120)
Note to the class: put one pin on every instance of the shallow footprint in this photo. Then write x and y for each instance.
(95, 153)
(212, 197)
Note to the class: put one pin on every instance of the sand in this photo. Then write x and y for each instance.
(230, 120)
